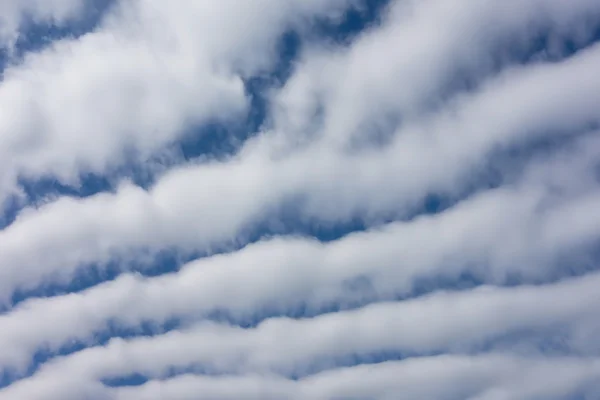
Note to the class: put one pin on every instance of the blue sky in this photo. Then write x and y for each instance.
(322, 199)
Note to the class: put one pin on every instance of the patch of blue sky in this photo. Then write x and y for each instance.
(324, 363)
(550, 341)
(590, 390)
(217, 141)
(114, 329)
(35, 36)
(542, 44)
(356, 20)
(87, 276)
(35, 191)
(137, 379)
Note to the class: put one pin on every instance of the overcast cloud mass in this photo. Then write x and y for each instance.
(299, 199)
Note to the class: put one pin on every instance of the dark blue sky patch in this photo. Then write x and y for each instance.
(90, 184)
(142, 173)
(6, 378)
(46, 189)
(365, 15)
(290, 223)
(210, 142)
(504, 165)
(298, 309)
(135, 379)
(114, 330)
(548, 44)
(145, 329)
(258, 87)
(290, 220)
(542, 43)
(38, 191)
(325, 362)
(10, 208)
(87, 276)
(170, 372)
(551, 141)
(35, 36)
(576, 262)
(41, 356)
(219, 141)
(589, 390)
(356, 293)
(138, 379)
(549, 341)
(83, 278)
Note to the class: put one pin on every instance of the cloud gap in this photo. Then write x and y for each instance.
(541, 44)
(148, 264)
(115, 330)
(35, 36)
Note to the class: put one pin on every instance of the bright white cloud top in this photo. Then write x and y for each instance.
(299, 199)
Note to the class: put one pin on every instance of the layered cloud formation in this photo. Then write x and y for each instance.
(299, 199)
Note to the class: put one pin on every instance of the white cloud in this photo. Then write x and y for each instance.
(365, 130)
(407, 67)
(229, 286)
(519, 230)
(148, 73)
(493, 376)
(198, 207)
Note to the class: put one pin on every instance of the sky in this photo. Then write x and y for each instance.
(299, 199)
